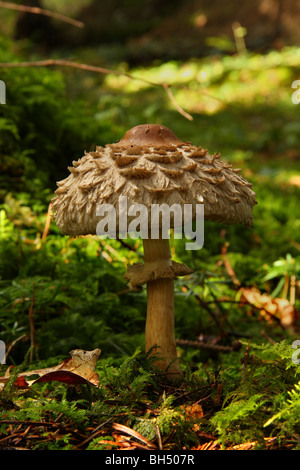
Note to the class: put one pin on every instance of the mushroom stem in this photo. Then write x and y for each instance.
(160, 323)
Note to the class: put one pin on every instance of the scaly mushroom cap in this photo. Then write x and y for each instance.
(150, 165)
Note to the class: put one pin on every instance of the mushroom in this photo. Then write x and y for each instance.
(148, 166)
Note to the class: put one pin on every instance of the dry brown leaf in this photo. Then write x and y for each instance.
(194, 411)
(270, 308)
(211, 445)
(133, 433)
(80, 368)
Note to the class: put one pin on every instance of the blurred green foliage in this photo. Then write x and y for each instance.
(41, 128)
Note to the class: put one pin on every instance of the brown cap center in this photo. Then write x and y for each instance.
(149, 134)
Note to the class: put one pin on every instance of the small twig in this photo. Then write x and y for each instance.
(285, 286)
(60, 426)
(158, 435)
(66, 63)
(13, 344)
(176, 105)
(96, 432)
(131, 432)
(7, 438)
(31, 324)
(206, 307)
(227, 264)
(268, 338)
(212, 347)
(96, 69)
(41, 11)
(293, 289)
(239, 37)
(224, 313)
(202, 92)
(47, 223)
(131, 248)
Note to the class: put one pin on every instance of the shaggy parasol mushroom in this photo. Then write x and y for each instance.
(150, 165)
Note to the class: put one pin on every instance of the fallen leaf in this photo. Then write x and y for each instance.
(20, 383)
(133, 433)
(194, 411)
(269, 307)
(211, 445)
(80, 368)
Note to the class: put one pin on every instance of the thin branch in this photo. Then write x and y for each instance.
(95, 433)
(214, 347)
(129, 247)
(177, 106)
(96, 69)
(13, 344)
(41, 11)
(32, 325)
(47, 223)
(69, 63)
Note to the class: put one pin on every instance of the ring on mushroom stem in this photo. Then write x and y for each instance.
(150, 165)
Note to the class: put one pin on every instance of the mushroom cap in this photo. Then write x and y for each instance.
(150, 165)
(153, 135)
